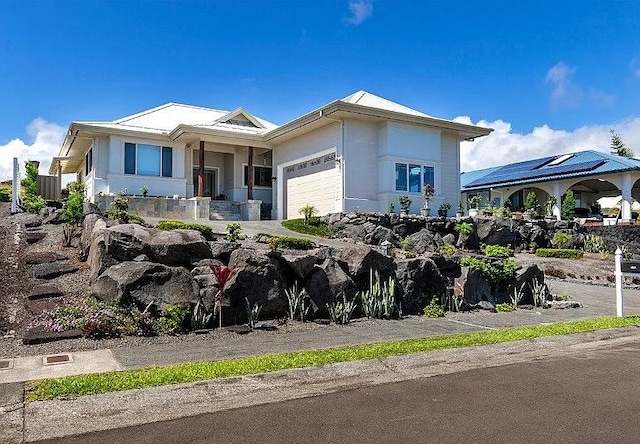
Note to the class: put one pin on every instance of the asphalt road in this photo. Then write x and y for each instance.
(589, 398)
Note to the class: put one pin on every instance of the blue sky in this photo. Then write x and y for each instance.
(539, 72)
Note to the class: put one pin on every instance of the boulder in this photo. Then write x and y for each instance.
(425, 240)
(142, 283)
(34, 236)
(448, 266)
(52, 269)
(222, 250)
(98, 258)
(92, 224)
(449, 239)
(179, 247)
(54, 217)
(259, 279)
(380, 234)
(91, 208)
(296, 265)
(498, 231)
(476, 288)
(38, 335)
(418, 280)
(357, 261)
(524, 283)
(31, 220)
(325, 283)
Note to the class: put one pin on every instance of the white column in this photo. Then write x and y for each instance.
(59, 182)
(627, 185)
(555, 192)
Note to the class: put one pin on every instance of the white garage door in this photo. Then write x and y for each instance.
(311, 182)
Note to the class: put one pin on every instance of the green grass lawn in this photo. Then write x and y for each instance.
(75, 386)
(315, 228)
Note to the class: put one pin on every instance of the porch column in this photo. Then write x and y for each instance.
(627, 185)
(555, 192)
(250, 173)
(201, 170)
(59, 182)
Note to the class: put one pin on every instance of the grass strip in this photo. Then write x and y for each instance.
(315, 228)
(75, 386)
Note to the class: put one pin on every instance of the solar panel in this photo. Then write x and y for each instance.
(503, 175)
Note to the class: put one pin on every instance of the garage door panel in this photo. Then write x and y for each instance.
(317, 189)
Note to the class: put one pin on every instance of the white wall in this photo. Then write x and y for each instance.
(158, 186)
(360, 161)
(312, 144)
(450, 172)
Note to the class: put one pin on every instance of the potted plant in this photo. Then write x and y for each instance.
(427, 191)
(444, 209)
(144, 190)
(392, 208)
(530, 204)
(473, 203)
(405, 204)
(460, 210)
(548, 207)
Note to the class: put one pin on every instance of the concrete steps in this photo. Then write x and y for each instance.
(224, 210)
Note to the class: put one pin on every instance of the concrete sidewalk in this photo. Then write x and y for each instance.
(597, 301)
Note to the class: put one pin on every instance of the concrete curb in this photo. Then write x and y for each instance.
(50, 419)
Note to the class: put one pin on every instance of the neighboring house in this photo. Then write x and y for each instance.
(358, 153)
(591, 175)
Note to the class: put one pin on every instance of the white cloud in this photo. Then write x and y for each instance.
(503, 146)
(46, 140)
(360, 11)
(567, 93)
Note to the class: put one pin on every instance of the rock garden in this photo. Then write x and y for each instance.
(75, 272)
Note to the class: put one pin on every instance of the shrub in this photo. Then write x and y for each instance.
(290, 243)
(340, 312)
(379, 301)
(405, 244)
(298, 302)
(531, 201)
(497, 251)
(564, 253)
(33, 202)
(5, 194)
(73, 212)
(434, 310)
(448, 249)
(405, 203)
(234, 229)
(505, 307)
(568, 209)
(492, 273)
(307, 212)
(120, 211)
(174, 319)
(169, 225)
(562, 239)
(410, 254)
(464, 228)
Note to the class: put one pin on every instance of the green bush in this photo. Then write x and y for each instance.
(564, 253)
(73, 211)
(5, 194)
(169, 225)
(433, 310)
(234, 229)
(497, 251)
(493, 273)
(505, 307)
(448, 249)
(290, 243)
(562, 239)
(531, 201)
(174, 319)
(33, 201)
(314, 227)
(307, 212)
(464, 228)
(568, 208)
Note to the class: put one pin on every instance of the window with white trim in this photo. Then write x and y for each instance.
(412, 177)
(148, 160)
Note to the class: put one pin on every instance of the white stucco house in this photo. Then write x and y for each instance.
(357, 153)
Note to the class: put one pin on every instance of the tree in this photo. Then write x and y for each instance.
(33, 201)
(618, 146)
(568, 210)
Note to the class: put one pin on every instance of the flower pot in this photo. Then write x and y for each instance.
(424, 212)
(473, 212)
(460, 214)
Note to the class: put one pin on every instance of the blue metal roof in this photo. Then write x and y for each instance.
(580, 164)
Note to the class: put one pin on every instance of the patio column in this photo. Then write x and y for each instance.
(250, 173)
(627, 185)
(201, 170)
(555, 192)
(59, 182)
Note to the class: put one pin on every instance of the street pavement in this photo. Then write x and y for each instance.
(591, 396)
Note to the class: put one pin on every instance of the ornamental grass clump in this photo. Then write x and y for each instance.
(379, 301)
(340, 312)
(298, 302)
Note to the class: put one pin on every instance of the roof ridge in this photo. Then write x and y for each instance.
(166, 105)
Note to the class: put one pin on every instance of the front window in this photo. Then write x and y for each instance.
(148, 160)
(88, 162)
(413, 177)
(261, 176)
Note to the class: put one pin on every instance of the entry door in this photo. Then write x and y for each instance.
(209, 182)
